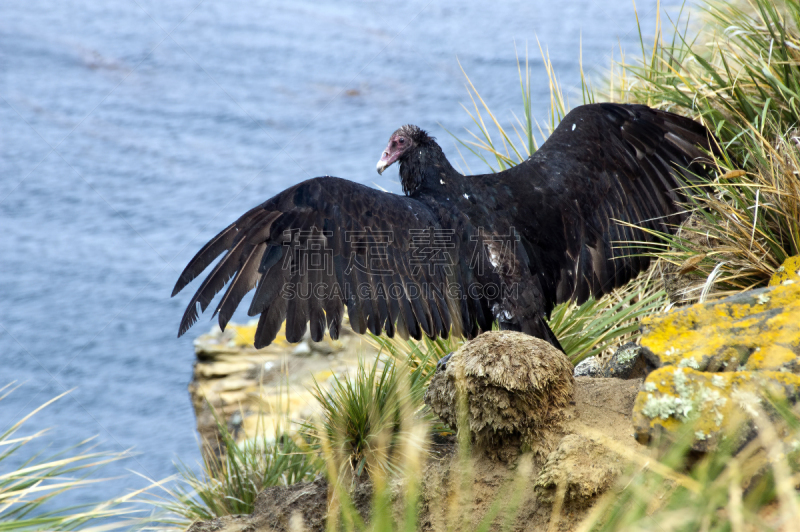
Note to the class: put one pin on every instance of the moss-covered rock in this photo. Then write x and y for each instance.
(515, 389)
(715, 360)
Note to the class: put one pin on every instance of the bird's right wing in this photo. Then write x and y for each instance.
(329, 243)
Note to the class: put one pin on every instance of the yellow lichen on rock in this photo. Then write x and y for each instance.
(788, 271)
(244, 335)
(710, 403)
(771, 356)
(756, 330)
(710, 356)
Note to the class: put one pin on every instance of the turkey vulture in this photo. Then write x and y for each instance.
(456, 253)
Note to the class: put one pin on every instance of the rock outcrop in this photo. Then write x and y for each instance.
(625, 363)
(254, 390)
(714, 359)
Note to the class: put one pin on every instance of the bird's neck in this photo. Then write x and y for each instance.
(426, 167)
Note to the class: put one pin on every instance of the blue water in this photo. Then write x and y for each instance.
(132, 131)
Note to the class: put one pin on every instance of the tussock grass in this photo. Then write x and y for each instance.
(30, 493)
(363, 415)
(739, 74)
(747, 221)
(228, 484)
(737, 68)
(396, 455)
(518, 141)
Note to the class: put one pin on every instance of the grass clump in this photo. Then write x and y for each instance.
(371, 429)
(30, 492)
(363, 415)
(738, 74)
(228, 483)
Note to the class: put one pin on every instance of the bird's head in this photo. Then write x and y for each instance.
(401, 145)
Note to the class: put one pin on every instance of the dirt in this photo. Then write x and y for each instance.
(579, 465)
(458, 493)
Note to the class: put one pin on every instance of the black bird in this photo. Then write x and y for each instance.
(456, 253)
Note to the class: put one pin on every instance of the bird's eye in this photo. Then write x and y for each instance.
(401, 140)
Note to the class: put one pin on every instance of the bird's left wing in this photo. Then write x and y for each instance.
(328, 243)
(605, 172)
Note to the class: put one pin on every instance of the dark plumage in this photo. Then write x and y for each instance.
(458, 252)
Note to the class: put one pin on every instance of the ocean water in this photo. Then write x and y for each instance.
(131, 131)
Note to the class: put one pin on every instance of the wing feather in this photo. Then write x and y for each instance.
(270, 247)
(605, 166)
(244, 281)
(213, 249)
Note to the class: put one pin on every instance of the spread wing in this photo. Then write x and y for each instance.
(605, 164)
(326, 244)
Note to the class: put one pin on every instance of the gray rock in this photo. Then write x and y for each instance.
(588, 367)
(627, 363)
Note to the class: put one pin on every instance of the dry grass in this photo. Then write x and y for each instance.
(30, 493)
(739, 75)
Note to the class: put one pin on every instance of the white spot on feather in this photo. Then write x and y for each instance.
(466, 195)
(501, 314)
(494, 258)
(573, 127)
(442, 182)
